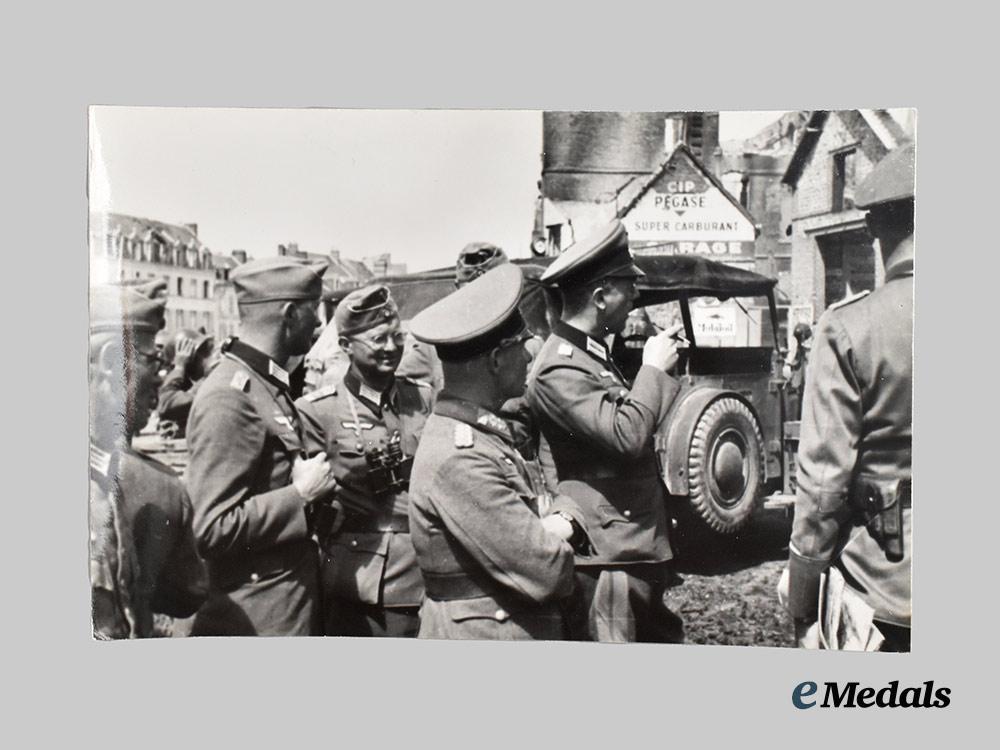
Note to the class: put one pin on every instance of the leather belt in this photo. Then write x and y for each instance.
(447, 587)
(356, 524)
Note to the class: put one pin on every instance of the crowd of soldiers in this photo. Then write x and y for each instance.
(464, 479)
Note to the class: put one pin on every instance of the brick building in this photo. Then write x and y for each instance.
(132, 248)
(832, 252)
(594, 163)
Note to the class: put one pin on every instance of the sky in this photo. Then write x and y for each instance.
(418, 184)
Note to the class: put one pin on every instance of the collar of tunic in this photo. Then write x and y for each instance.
(369, 396)
(596, 349)
(472, 414)
(900, 263)
(259, 362)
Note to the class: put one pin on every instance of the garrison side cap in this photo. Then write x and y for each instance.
(599, 255)
(114, 307)
(363, 309)
(277, 279)
(474, 318)
(890, 180)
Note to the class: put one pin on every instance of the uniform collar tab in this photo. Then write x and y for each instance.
(581, 340)
(360, 389)
(259, 362)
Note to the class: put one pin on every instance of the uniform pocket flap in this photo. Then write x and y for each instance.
(376, 544)
(354, 567)
(483, 608)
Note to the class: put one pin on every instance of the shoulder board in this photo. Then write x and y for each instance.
(463, 435)
(326, 390)
(240, 381)
(566, 350)
(414, 381)
(849, 300)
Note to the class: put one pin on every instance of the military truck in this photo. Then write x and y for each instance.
(724, 445)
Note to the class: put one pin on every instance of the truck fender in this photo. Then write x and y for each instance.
(673, 439)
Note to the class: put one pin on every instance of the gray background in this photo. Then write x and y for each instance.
(60, 687)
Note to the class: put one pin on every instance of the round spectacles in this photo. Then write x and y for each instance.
(155, 357)
(381, 342)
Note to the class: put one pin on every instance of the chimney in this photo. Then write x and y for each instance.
(240, 256)
(335, 254)
(193, 228)
(293, 249)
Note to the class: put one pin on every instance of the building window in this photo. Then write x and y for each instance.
(180, 287)
(848, 265)
(745, 192)
(843, 180)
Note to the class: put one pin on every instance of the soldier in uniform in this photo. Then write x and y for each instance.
(420, 362)
(191, 352)
(369, 424)
(794, 370)
(253, 489)
(853, 504)
(143, 558)
(600, 432)
(493, 568)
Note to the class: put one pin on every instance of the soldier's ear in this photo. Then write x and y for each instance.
(597, 296)
(345, 343)
(493, 360)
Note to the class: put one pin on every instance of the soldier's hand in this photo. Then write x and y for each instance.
(660, 350)
(556, 524)
(313, 477)
(185, 348)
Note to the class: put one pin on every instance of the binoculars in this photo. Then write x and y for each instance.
(388, 468)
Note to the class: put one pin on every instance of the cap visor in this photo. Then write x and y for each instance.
(630, 270)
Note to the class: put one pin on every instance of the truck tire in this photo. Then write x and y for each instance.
(726, 465)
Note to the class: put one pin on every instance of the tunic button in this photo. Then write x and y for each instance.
(628, 514)
(255, 577)
(354, 542)
(501, 615)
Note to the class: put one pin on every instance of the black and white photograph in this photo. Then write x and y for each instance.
(499, 375)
